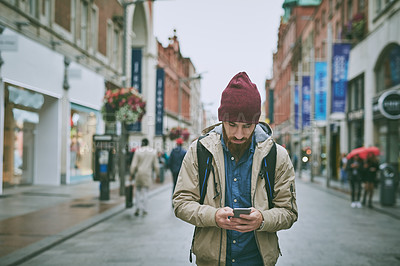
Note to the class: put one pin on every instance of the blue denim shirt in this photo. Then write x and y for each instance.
(241, 247)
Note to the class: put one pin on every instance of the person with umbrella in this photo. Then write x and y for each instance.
(371, 167)
(354, 170)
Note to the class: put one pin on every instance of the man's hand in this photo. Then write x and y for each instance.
(246, 223)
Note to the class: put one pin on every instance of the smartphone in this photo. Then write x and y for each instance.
(238, 211)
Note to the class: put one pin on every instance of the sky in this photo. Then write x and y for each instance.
(222, 38)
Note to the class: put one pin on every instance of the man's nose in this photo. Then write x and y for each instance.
(239, 133)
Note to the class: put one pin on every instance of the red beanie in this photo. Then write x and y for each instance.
(240, 101)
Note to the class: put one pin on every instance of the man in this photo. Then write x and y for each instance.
(175, 160)
(144, 163)
(238, 147)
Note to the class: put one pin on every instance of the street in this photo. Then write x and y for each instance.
(328, 232)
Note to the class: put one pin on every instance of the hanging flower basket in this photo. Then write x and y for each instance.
(177, 132)
(124, 105)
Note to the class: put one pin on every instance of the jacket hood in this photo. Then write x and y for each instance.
(262, 131)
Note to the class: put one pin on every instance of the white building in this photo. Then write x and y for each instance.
(66, 54)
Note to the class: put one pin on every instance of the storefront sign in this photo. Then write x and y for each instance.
(340, 61)
(159, 101)
(320, 90)
(136, 81)
(306, 101)
(389, 104)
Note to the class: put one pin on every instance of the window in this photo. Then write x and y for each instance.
(388, 69)
(46, 5)
(84, 22)
(109, 39)
(116, 41)
(94, 29)
(33, 8)
(323, 18)
(361, 5)
(356, 93)
(330, 9)
(349, 10)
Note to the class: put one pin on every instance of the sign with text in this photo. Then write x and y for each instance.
(159, 101)
(320, 88)
(306, 102)
(296, 107)
(340, 61)
(136, 81)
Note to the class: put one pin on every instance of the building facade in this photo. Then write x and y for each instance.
(369, 114)
(60, 58)
(183, 111)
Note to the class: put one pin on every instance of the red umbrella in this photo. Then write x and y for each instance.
(363, 152)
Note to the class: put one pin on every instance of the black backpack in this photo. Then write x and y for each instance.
(267, 171)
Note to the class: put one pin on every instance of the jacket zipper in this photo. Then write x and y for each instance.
(255, 235)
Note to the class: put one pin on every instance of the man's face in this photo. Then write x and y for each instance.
(238, 132)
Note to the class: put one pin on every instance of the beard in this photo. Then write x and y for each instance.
(237, 150)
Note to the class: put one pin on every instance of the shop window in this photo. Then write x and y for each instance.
(83, 126)
(387, 71)
(356, 94)
(20, 120)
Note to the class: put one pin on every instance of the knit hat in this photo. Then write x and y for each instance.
(179, 141)
(240, 101)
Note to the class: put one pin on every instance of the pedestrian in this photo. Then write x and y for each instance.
(162, 162)
(354, 171)
(144, 164)
(175, 160)
(343, 172)
(371, 167)
(238, 146)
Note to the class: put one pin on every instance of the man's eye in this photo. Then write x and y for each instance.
(232, 124)
(247, 126)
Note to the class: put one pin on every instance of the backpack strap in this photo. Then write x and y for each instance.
(204, 159)
(267, 171)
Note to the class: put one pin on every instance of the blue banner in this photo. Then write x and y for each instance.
(159, 101)
(320, 90)
(296, 107)
(136, 81)
(306, 101)
(340, 61)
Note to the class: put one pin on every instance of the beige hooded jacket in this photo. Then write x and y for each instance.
(143, 164)
(209, 243)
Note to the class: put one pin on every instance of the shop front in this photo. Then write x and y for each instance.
(28, 120)
(386, 105)
(83, 122)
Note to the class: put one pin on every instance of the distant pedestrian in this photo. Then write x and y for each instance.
(343, 172)
(354, 171)
(162, 161)
(144, 163)
(371, 167)
(175, 160)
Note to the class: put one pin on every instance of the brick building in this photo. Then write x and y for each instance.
(307, 34)
(182, 106)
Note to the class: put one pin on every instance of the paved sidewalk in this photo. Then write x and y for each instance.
(343, 190)
(34, 218)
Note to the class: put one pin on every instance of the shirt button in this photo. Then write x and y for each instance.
(235, 200)
(233, 260)
(232, 158)
(235, 179)
(234, 241)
